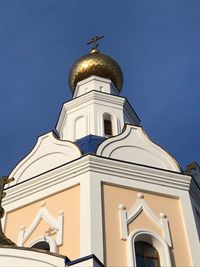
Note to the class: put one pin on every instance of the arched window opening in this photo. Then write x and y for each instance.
(42, 245)
(108, 131)
(146, 255)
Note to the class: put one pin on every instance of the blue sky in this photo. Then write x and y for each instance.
(156, 43)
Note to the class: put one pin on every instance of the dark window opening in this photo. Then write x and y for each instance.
(146, 255)
(42, 245)
(107, 127)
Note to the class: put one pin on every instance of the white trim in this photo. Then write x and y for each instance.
(23, 257)
(44, 214)
(152, 238)
(190, 228)
(135, 139)
(119, 125)
(123, 222)
(196, 210)
(138, 207)
(100, 125)
(95, 83)
(48, 239)
(111, 171)
(3, 221)
(46, 145)
(91, 224)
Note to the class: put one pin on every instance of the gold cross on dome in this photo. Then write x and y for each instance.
(94, 40)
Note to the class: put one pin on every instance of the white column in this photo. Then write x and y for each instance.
(190, 228)
(91, 233)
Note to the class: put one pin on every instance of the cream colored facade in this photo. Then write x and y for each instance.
(103, 201)
(114, 196)
(69, 213)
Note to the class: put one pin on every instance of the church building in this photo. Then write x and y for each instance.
(97, 191)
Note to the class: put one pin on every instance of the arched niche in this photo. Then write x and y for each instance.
(80, 127)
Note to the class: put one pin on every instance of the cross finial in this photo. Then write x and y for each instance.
(3, 181)
(94, 40)
(50, 231)
(4, 241)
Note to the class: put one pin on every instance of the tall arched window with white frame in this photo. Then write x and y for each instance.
(148, 249)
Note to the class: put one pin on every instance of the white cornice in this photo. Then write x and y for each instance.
(106, 170)
(83, 100)
(94, 83)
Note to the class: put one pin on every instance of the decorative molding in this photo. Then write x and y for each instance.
(49, 152)
(140, 205)
(95, 83)
(135, 146)
(110, 170)
(44, 214)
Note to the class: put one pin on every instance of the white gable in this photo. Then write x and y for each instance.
(133, 145)
(48, 153)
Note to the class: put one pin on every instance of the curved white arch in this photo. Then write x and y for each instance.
(134, 145)
(80, 127)
(48, 239)
(152, 238)
(60, 152)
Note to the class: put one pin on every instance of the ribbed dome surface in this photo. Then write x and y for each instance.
(97, 64)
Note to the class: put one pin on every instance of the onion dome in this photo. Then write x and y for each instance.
(96, 64)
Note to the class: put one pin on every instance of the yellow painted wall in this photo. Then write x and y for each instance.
(115, 248)
(67, 201)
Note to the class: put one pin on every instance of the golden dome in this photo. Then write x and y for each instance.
(97, 64)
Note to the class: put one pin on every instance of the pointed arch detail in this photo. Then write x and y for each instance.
(140, 205)
(43, 214)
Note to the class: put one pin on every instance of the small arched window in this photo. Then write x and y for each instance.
(42, 245)
(146, 255)
(108, 131)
